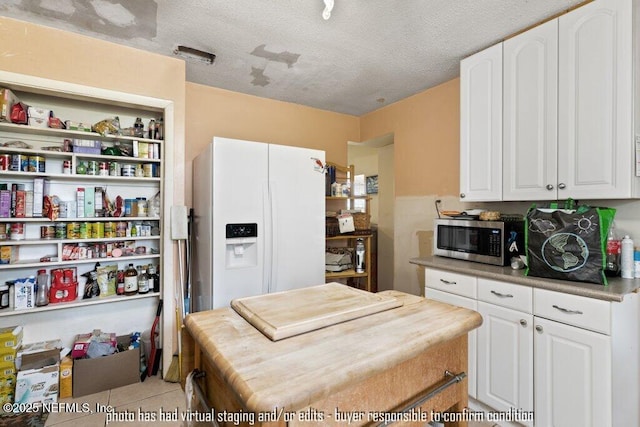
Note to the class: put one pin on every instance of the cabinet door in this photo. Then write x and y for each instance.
(481, 126)
(572, 376)
(595, 157)
(530, 114)
(473, 340)
(505, 358)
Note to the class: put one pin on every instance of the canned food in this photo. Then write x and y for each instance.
(16, 162)
(47, 232)
(5, 162)
(17, 231)
(109, 229)
(36, 164)
(114, 169)
(97, 230)
(128, 170)
(148, 170)
(73, 230)
(92, 167)
(103, 168)
(121, 229)
(128, 207)
(83, 232)
(61, 230)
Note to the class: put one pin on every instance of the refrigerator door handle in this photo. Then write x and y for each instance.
(273, 241)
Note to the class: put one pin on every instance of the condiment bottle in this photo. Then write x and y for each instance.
(143, 281)
(130, 280)
(154, 279)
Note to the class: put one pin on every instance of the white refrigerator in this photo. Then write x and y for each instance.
(259, 221)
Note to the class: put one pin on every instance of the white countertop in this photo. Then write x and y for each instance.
(614, 291)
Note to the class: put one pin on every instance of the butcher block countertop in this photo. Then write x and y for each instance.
(614, 291)
(294, 372)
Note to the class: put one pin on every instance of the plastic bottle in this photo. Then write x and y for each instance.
(143, 281)
(636, 263)
(612, 267)
(626, 258)
(130, 281)
(42, 295)
(360, 256)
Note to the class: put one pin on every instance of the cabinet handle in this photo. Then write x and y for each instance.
(539, 328)
(523, 322)
(446, 282)
(566, 311)
(549, 187)
(462, 195)
(562, 186)
(498, 294)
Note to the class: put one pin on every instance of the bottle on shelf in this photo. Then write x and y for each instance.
(143, 281)
(360, 256)
(120, 282)
(626, 258)
(612, 266)
(154, 279)
(42, 295)
(130, 280)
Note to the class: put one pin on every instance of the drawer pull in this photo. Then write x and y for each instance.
(446, 282)
(523, 322)
(498, 294)
(567, 311)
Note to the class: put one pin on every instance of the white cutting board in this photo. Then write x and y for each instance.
(285, 314)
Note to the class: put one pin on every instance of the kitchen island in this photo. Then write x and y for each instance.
(359, 372)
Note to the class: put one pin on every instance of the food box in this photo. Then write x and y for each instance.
(8, 354)
(82, 341)
(10, 336)
(37, 380)
(9, 254)
(71, 125)
(39, 113)
(7, 99)
(66, 377)
(37, 347)
(86, 146)
(107, 372)
(24, 294)
(38, 123)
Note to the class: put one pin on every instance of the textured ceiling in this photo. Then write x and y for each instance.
(370, 53)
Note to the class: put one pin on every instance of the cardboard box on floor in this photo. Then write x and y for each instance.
(107, 372)
(37, 380)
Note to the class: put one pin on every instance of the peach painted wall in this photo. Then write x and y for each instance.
(426, 131)
(217, 112)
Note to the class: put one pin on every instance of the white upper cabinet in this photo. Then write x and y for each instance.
(481, 126)
(567, 110)
(595, 104)
(530, 113)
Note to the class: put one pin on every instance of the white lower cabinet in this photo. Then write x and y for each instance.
(572, 360)
(505, 358)
(572, 376)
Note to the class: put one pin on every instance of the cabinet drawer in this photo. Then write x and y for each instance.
(574, 310)
(451, 282)
(509, 295)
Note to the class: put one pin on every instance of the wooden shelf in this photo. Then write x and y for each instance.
(348, 236)
(78, 303)
(344, 274)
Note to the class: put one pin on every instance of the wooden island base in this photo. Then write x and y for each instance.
(353, 397)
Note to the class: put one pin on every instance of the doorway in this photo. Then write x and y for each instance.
(373, 162)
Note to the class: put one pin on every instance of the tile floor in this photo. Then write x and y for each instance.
(132, 403)
(149, 397)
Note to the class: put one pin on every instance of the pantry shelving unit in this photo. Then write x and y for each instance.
(112, 313)
(335, 203)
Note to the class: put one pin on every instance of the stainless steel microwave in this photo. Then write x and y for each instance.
(489, 242)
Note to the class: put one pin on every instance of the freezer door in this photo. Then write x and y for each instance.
(296, 186)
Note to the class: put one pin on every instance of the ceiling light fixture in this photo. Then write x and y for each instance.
(191, 54)
(326, 13)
